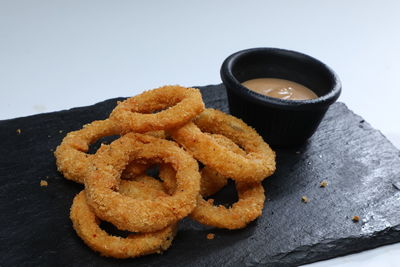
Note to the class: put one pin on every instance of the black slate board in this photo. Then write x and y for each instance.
(361, 166)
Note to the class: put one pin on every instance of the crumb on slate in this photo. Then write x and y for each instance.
(19, 131)
(356, 219)
(210, 236)
(60, 131)
(305, 199)
(49, 136)
(43, 183)
(324, 183)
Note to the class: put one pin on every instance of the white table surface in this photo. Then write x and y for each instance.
(61, 54)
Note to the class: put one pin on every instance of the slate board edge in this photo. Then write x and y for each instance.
(122, 98)
(64, 110)
(390, 235)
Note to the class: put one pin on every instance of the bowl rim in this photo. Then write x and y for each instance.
(229, 79)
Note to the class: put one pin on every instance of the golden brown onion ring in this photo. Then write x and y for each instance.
(178, 106)
(247, 209)
(211, 181)
(87, 227)
(101, 184)
(71, 157)
(257, 164)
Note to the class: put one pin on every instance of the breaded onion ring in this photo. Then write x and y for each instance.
(258, 163)
(141, 215)
(211, 182)
(71, 157)
(86, 224)
(247, 209)
(178, 106)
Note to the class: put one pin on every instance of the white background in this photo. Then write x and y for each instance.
(61, 54)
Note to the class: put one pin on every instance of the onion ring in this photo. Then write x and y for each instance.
(247, 209)
(211, 181)
(86, 224)
(258, 163)
(71, 157)
(181, 105)
(141, 215)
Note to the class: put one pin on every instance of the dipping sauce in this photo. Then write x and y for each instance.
(280, 88)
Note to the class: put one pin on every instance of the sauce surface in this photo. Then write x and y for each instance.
(280, 88)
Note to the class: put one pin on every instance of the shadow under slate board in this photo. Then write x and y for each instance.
(361, 166)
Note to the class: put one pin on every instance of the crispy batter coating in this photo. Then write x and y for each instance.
(71, 157)
(247, 209)
(178, 106)
(135, 169)
(141, 215)
(211, 182)
(228, 143)
(86, 224)
(257, 164)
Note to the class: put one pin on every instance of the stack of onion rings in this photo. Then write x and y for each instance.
(151, 209)
(148, 215)
(251, 195)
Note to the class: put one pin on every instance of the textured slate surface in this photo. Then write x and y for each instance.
(361, 166)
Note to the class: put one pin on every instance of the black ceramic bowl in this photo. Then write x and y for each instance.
(282, 123)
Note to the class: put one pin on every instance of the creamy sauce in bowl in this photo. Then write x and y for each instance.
(280, 88)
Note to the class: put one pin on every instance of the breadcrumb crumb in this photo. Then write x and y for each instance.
(356, 219)
(43, 183)
(210, 236)
(305, 199)
(19, 131)
(323, 184)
